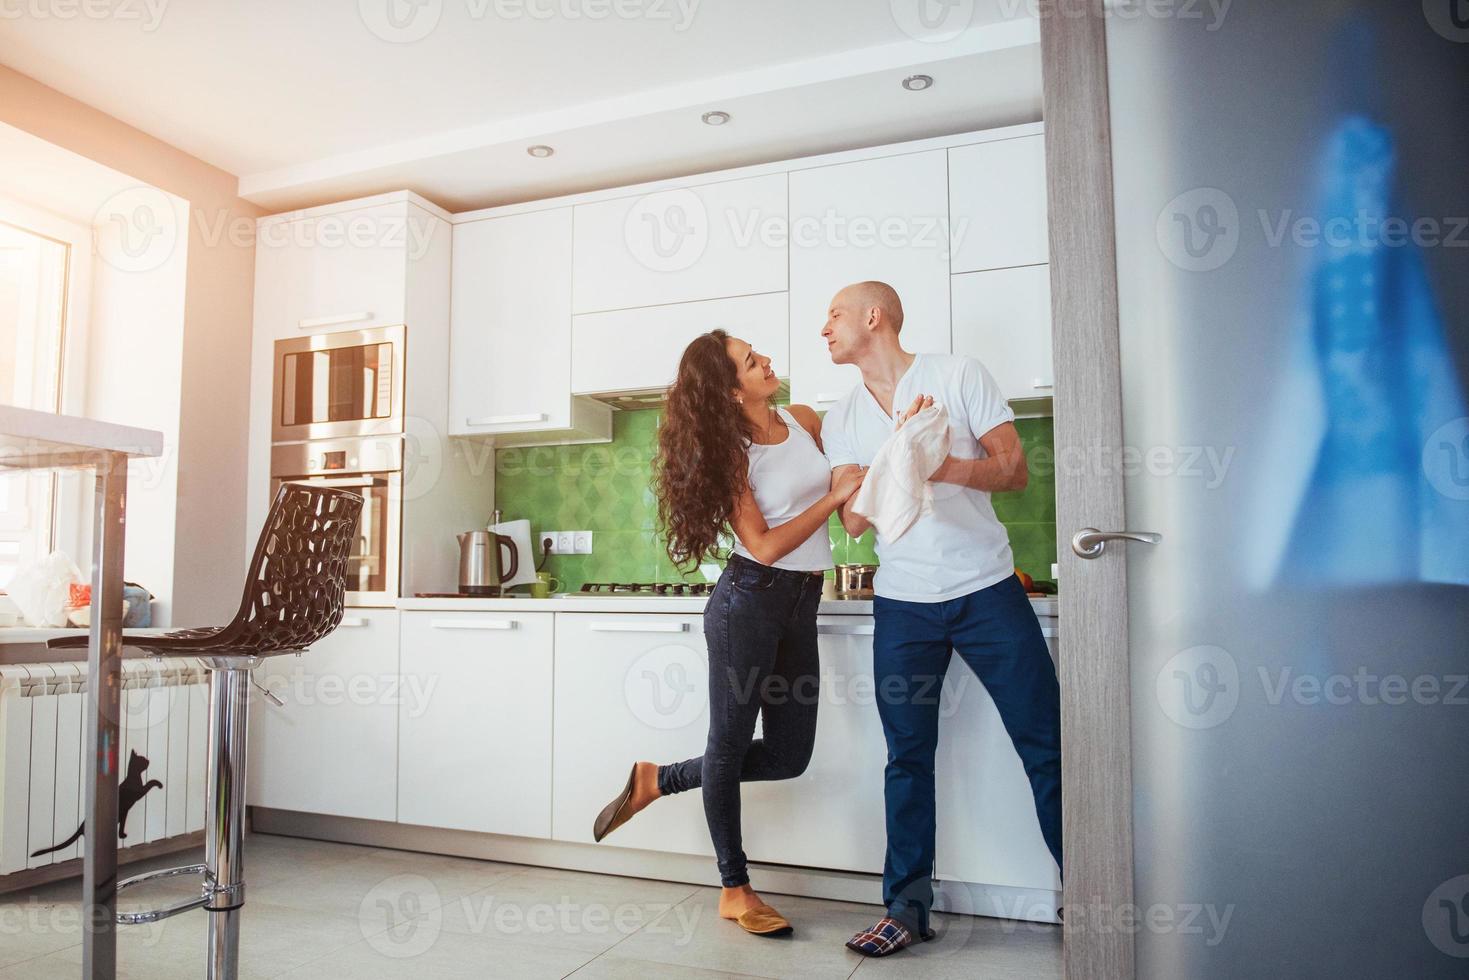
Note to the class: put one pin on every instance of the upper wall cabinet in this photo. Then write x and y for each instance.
(997, 194)
(1003, 318)
(344, 270)
(882, 219)
(632, 350)
(510, 326)
(724, 239)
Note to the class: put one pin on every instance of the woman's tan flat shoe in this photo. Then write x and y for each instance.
(615, 814)
(762, 920)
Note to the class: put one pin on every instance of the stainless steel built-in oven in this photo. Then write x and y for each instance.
(372, 467)
(337, 385)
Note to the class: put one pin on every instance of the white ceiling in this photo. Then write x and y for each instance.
(318, 100)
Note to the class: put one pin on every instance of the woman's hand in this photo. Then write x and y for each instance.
(919, 404)
(847, 483)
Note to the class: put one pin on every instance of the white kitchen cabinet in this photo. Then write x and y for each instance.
(987, 827)
(675, 246)
(346, 269)
(510, 332)
(632, 350)
(1003, 318)
(474, 722)
(832, 815)
(997, 198)
(883, 219)
(333, 748)
(629, 687)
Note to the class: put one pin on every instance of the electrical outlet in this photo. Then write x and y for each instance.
(565, 543)
(582, 541)
(544, 540)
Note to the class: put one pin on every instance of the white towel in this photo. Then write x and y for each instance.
(896, 492)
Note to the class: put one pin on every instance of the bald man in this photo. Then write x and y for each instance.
(947, 584)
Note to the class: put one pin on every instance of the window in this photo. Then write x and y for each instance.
(33, 307)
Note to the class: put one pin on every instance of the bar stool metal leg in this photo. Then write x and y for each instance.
(229, 712)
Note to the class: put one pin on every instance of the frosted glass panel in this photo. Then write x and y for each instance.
(1290, 182)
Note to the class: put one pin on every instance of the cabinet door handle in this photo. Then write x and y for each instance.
(473, 624)
(352, 621)
(640, 627)
(827, 397)
(1039, 383)
(507, 419)
(845, 629)
(332, 321)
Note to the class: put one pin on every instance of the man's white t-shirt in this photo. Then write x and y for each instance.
(961, 547)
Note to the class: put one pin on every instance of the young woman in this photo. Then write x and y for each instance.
(728, 459)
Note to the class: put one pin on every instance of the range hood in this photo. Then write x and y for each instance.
(646, 398)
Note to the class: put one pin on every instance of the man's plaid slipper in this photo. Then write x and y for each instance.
(883, 939)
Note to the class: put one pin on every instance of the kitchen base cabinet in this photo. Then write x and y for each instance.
(832, 815)
(629, 687)
(333, 747)
(987, 828)
(474, 722)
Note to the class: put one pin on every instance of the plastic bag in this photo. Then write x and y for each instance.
(42, 589)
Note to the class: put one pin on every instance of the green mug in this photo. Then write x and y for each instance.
(544, 585)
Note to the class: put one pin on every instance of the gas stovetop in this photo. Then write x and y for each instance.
(649, 590)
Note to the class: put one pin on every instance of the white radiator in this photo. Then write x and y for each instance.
(43, 746)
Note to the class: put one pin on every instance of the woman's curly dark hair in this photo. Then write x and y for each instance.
(703, 451)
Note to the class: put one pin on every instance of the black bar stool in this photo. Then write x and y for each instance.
(293, 597)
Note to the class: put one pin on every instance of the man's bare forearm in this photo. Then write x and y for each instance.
(855, 524)
(992, 474)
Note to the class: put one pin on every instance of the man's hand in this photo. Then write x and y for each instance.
(919, 404)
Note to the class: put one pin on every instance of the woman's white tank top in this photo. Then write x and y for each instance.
(787, 478)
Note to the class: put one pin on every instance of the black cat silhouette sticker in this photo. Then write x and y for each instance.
(129, 791)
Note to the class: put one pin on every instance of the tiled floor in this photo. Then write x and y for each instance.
(331, 911)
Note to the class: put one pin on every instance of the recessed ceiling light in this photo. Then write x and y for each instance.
(917, 83)
(716, 118)
(540, 151)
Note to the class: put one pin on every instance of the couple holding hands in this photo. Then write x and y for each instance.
(729, 460)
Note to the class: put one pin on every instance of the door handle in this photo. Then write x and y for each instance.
(1090, 543)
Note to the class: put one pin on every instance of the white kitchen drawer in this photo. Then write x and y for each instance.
(881, 219)
(629, 687)
(341, 271)
(722, 239)
(629, 350)
(475, 722)
(333, 748)
(1003, 318)
(997, 196)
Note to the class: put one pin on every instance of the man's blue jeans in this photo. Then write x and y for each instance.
(996, 633)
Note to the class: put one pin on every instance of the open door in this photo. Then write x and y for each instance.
(1260, 282)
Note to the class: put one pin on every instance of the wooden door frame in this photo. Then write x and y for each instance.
(1096, 726)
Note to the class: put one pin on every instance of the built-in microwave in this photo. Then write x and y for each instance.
(372, 467)
(338, 385)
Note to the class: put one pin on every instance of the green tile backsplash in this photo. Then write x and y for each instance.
(605, 489)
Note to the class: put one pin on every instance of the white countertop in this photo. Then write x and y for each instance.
(631, 604)
(31, 439)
